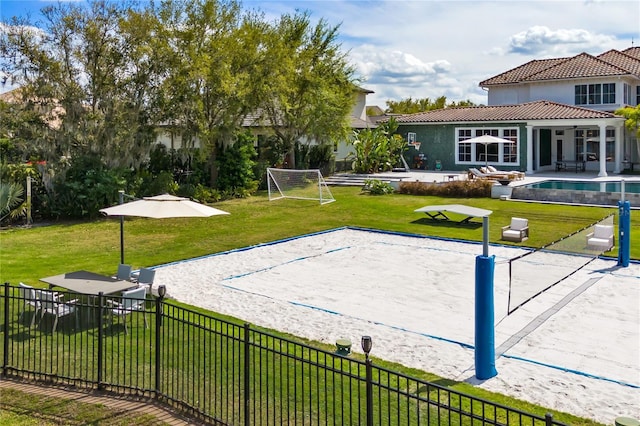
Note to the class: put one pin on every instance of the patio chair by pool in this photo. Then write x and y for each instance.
(50, 303)
(30, 298)
(517, 231)
(145, 278)
(477, 174)
(132, 301)
(601, 238)
(124, 272)
(511, 174)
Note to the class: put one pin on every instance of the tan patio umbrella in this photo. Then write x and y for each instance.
(486, 140)
(158, 207)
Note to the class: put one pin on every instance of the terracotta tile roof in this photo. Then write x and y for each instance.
(518, 74)
(622, 60)
(358, 123)
(538, 110)
(632, 51)
(583, 65)
(611, 63)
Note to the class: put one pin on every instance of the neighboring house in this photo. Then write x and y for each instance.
(261, 128)
(553, 110)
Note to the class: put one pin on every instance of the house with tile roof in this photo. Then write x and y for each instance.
(553, 111)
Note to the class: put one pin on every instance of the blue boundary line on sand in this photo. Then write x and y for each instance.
(470, 346)
(405, 234)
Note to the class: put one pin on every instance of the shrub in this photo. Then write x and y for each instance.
(235, 167)
(377, 187)
(460, 189)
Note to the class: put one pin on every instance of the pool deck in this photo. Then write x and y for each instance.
(444, 176)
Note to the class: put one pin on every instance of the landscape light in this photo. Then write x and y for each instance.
(366, 344)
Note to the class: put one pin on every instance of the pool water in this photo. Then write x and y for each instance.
(629, 187)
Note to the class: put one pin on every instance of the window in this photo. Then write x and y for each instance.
(627, 94)
(637, 95)
(510, 150)
(581, 94)
(496, 153)
(595, 94)
(609, 93)
(464, 149)
(579, 141)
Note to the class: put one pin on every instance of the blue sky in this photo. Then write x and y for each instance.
(432, 48)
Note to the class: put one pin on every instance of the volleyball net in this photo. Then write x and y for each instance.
(535, 272)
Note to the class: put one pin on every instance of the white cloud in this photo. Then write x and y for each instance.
(540, 40)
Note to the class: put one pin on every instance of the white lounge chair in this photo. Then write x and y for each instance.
(511, 174)
(517, 231)
(601, 238)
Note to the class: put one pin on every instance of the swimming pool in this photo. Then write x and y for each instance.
(578, 192)
(629, 187)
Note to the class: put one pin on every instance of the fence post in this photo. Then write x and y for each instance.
(100, 339)
(548, 419)
(247, 372)
(369, 391)
(5, 331)
(162, 290)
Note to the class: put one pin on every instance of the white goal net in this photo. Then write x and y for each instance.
(300, 184)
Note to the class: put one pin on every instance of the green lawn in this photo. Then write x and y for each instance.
(29, 254)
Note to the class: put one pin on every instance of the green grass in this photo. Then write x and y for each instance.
(29, 254)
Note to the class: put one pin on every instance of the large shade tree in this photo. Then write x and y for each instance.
(102, 76)
(215, 64)
(311, 88)
(87, 71)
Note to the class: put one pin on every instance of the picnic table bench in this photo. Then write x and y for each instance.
(439, 212)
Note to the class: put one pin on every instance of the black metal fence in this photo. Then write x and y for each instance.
(219, 371)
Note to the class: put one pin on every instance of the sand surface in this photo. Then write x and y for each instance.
(574, 348)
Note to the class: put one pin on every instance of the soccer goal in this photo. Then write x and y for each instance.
(300, 184)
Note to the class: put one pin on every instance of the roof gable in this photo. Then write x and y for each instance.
(580, 66)
(538, 110)
(610, 63)
(633, 51)
(520, 73)
(622, 60)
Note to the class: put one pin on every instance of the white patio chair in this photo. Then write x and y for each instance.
(517, 231)
(601, 238)
(132, 301)
(30, 298)
(51, 303)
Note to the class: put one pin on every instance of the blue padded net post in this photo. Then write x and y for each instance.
(624, 229)
(485, 352)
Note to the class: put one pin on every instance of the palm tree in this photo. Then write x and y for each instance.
(11, 202)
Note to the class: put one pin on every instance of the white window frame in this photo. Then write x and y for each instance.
(594, 94)
(464, 133)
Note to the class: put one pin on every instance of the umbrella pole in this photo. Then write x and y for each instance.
(121, 194)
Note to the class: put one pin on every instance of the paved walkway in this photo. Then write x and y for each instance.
(162, 414)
